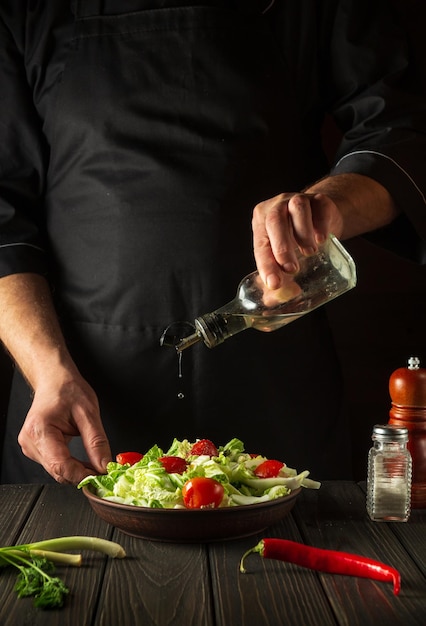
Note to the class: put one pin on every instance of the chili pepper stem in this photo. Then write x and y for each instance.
(257, 549)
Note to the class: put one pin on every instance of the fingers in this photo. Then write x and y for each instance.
(326, 217)
(287, 223)
(273, 240)
(47, 446)
(95, 442)
(53, 420)
(49, 449)
(281, 225)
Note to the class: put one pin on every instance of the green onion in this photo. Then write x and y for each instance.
(35, 562)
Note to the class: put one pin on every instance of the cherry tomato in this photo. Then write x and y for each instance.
(128, 457)
(173, 464)
(269, 469)
(201, 492)
(204, 446)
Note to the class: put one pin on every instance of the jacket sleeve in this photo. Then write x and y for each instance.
(23, 158)
(377, 96)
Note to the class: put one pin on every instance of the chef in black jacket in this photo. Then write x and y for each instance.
(136, 139)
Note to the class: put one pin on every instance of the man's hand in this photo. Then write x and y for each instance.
(287, 222)
(61, 411)
(64, 405)
(345, 205)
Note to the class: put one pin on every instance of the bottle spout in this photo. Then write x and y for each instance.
(186, 342)
(178, 332)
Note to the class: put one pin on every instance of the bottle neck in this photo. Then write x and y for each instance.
(214, 328)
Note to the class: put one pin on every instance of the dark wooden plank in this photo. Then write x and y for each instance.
(335, 518)
(270, 592)
(412, 535)
(158, 584)
(59, 511)
(16, 502)
(166, 584)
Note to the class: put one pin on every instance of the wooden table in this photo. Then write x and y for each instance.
(199, 584)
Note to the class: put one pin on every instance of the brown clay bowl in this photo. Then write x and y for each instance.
(191, 526)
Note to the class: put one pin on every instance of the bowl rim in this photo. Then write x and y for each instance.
(89, 493)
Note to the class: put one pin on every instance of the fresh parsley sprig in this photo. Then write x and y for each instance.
(36, 564)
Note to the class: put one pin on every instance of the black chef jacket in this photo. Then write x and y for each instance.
(135, 138)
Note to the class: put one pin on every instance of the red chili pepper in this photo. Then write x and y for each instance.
(330, 561)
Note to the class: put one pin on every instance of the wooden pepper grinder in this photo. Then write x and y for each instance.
(407, 388)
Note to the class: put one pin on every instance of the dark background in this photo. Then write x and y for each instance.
(382, 322)
(378, 325)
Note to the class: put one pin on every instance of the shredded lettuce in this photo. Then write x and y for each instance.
(148, 484)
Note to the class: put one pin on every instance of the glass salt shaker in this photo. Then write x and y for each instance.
(389, 475)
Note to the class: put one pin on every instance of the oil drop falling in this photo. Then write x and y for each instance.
(180, 365)
(171, 336)
(180, 395)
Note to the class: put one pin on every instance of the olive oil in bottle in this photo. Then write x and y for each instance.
(321, 277)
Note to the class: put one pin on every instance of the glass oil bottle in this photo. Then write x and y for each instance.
(321, 277)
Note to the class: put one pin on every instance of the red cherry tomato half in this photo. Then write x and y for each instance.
(173, 464)
(128, 457)
(201, 492)
(204, 446)
(269, 469)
